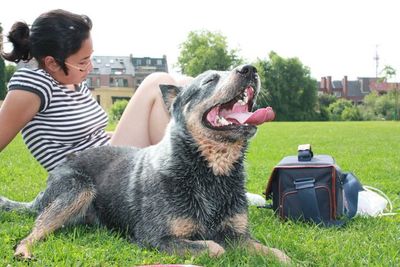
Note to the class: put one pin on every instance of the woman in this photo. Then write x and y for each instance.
(52, 105)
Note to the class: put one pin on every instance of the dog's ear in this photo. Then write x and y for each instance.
(169, 93)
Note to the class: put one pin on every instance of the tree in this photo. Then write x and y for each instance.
(204, 50)
(379, 107)
(337, 108)
(324, 100)
(3, 89)
(117, 109)
(351, 114)
(287, 88)
(388, 73)
(10, 69)
(368, 110)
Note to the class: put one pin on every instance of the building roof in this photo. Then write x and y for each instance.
(337, 84)
(354, 88)
(113, 65)
(151, 63)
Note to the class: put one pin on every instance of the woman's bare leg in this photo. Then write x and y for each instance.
(145, 118)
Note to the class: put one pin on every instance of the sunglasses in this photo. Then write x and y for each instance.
(81, 69)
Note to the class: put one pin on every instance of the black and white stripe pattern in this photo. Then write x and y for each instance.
(68, 121)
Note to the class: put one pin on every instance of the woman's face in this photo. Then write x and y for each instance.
(79, 65)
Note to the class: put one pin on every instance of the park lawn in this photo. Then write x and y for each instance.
(371, 150)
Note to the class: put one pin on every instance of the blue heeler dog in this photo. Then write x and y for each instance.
(185, 194)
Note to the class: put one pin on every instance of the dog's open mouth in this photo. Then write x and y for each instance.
(237, 112)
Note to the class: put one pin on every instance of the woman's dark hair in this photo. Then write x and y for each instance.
(57, 33)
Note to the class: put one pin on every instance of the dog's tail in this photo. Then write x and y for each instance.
(11, 205)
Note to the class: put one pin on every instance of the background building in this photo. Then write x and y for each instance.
(116, 78)
(354, 91)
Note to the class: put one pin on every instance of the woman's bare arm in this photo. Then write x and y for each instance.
(18, 108)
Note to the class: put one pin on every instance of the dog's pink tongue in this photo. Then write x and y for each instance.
(254, 118)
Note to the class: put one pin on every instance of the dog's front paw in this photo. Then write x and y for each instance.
(22, 252)
(282, 257)
(214, 250)
(259, 248)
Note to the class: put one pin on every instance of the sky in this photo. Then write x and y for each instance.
(330, 37)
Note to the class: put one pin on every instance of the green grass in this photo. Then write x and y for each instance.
(369, 149)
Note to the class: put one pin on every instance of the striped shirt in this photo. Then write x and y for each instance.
(67, 120)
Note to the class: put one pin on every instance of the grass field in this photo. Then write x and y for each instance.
(371, 150)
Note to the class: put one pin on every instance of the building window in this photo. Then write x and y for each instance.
(117, 71)
(118, 82)
(148, 62)
(138, 62)
(159, 62)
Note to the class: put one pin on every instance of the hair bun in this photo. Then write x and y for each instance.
(19, 37)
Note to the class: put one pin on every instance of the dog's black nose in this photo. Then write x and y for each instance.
(248, 71)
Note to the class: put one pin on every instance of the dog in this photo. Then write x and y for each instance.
(184, 194)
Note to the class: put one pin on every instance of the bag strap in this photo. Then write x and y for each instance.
(306, 193)
(308, 198)
(309, 204)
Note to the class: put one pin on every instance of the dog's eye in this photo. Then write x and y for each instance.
(210, 79)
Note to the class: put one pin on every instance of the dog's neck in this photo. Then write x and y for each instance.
(221, 156)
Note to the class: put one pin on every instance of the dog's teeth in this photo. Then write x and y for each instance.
(224, 122)
(244, 98)
(221, 121)
(217, 120)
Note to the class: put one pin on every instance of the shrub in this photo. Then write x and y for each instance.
(117, 109)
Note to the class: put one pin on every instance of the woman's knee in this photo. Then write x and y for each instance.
(150, 86)
(166, 78)
(160, 78)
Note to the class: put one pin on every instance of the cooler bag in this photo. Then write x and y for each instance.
(312, 189)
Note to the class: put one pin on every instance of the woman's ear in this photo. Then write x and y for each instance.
(51, 65)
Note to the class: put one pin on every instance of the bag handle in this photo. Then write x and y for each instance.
(351, 187)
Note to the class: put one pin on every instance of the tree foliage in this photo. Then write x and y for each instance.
(3, 89)
(344, 110)
(205, 50)
(336, 109)
(389, 72)
(288, 88)
(117, 109)
(10, 69)
(379, 107)
(324, 100)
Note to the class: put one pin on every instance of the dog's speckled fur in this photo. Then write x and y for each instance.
(185, 194)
